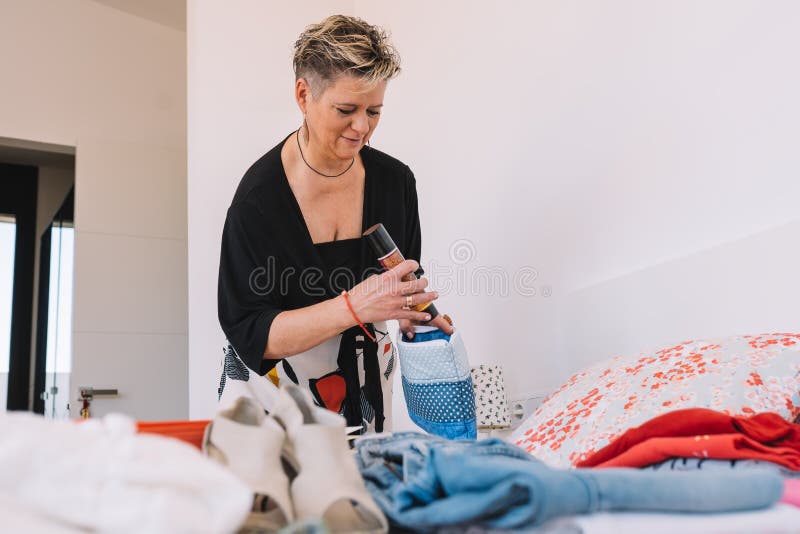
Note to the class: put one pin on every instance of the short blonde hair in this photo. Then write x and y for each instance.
(344, 45)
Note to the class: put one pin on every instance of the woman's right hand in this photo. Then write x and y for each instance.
(382, 296)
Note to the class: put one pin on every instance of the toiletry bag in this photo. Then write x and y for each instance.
(437, 383)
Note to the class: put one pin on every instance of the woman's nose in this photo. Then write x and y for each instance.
(360, 124)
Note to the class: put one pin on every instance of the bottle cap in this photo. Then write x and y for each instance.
(380, 240)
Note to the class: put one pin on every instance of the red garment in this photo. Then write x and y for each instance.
(765, 428)
(717, 446)
(189, 431)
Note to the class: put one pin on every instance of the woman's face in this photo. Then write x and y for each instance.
(342, 118)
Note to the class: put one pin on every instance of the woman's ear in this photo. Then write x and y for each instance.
(302, 94)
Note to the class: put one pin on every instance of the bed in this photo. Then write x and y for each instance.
(752, 374)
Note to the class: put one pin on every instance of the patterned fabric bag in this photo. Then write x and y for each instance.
(490, 397)
(437, 383)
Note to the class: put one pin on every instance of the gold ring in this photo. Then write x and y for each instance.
(408, 303)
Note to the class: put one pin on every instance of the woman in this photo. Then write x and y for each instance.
(300, 299)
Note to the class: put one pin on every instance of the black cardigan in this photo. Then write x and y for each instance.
(268, 262)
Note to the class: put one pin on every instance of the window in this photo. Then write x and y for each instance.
(59, 331)
(8, 239)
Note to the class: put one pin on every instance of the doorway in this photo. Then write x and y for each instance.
(36, 257)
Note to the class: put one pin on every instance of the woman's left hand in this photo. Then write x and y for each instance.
(407, 326)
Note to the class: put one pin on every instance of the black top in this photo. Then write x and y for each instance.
(341, 258)
(268, 262)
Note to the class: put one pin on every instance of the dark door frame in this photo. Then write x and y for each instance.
(42, 310)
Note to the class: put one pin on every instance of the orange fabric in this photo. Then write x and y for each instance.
(718, 446)
(189, 431)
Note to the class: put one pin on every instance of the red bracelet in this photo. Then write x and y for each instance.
(353, 313)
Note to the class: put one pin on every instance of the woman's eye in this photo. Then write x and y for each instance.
(370, 112)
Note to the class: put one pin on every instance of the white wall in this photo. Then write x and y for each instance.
(744, 286)
(112, 85)
(598, 143)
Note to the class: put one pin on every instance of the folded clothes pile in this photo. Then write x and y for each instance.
(700, 439)
(703, 433)
(425, 483)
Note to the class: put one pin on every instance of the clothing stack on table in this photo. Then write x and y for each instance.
(426, 483)
(705, 440)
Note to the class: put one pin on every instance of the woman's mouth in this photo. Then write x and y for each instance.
(352, 141)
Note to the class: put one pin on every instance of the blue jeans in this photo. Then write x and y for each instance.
(424, 482)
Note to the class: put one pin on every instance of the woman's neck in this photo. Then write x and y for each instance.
(303, 178)
(315, 158)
